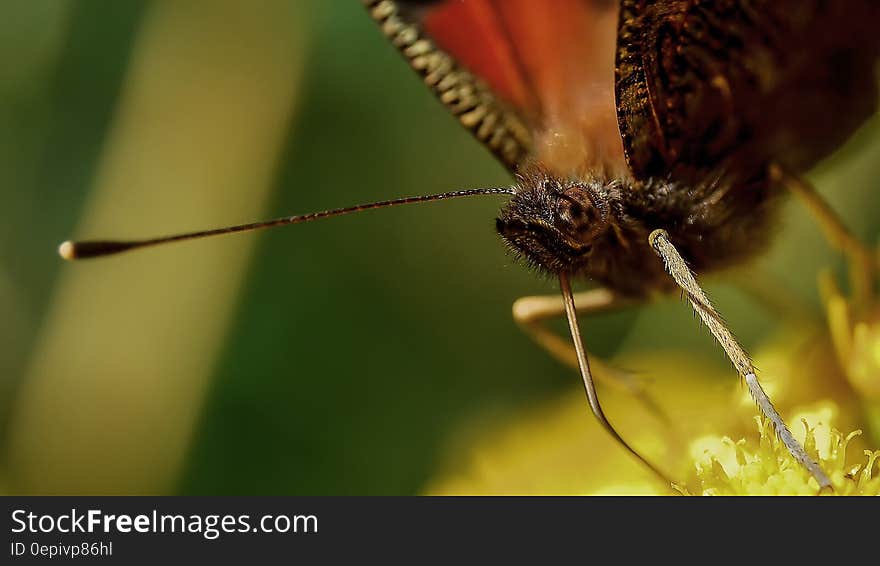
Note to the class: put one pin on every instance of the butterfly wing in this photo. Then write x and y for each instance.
(649, 88)
(737, 84)
(532, 80)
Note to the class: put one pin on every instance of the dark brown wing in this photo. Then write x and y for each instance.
(531, 79)
(701, 84)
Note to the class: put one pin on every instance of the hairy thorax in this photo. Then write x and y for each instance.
(597, 227)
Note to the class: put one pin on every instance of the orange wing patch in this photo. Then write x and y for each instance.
(472, 33)
(553, 61)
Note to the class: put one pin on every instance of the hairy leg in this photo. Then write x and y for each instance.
(587, 378)
(863, 261)
(678, 269)
(532, 313)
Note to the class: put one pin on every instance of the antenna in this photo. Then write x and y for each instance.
(87, 249)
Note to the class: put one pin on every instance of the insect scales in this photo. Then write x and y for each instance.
(647, 138)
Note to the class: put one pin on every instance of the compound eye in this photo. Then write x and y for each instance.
(573, 210)
(577, 215)
(574, 207)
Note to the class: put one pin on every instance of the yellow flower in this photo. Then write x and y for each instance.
(765, 467)
(560, 449)
(856, 336)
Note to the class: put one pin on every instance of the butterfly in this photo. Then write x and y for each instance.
(648, 139)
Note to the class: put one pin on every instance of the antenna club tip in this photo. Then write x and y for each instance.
(67, 250)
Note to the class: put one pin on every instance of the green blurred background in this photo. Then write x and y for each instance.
(343, 357)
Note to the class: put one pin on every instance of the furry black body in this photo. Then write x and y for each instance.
(708, 96)
(597, 228)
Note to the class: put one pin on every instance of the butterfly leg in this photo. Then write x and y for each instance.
(839, 315)
(850, 318)
(862, 260)
(681, 273)
(587, 378)
(532, 313)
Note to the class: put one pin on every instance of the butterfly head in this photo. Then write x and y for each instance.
(553, 224)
